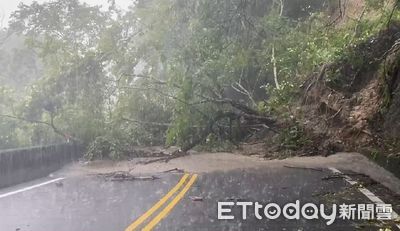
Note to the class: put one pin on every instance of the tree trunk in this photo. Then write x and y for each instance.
(273, 60)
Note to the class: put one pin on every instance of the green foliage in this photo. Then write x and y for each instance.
(374, 154)
(157, 73)
(305, 47)
(103, 148)
(281, 97)
(386, 73)
(214, 143)
(294, 137)
(375, 4)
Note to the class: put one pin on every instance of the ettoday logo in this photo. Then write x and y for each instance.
(308, 211)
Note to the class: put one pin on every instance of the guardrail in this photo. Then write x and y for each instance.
(25, 164)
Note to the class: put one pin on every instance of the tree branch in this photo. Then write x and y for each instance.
(391, 13)
(147, 122)
(273, 60)
(50, 124)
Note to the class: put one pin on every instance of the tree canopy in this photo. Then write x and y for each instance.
(175, 72)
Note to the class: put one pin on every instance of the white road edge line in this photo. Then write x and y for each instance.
(370, 195)
(30, 188)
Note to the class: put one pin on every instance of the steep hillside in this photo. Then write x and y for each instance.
(350, 102)
(356, 98)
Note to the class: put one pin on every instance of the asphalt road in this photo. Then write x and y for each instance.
(91, 202)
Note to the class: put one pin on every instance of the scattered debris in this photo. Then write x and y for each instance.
(343, 175)
(331, 177)
(320, 194)
(126, 176)
(166, 159)
(196, 198)
(163, 159)
(234, 199)
(174, 170)
(303, 168)
(253, 154)
(59, 184)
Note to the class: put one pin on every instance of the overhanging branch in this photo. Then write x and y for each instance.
(49, 124)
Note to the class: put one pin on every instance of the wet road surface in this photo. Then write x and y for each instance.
(88, 203)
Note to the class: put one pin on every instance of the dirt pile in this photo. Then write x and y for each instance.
(355, 102)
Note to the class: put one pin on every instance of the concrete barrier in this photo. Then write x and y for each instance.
(21, 165)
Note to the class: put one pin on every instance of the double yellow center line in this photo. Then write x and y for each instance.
(167, 209)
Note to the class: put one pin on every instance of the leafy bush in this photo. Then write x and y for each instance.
(280, 98)
(104, 148)
(294, 137)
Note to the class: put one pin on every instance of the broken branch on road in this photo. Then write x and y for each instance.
(166, 159)
(174, 170)
(125, 176)
(303, 168)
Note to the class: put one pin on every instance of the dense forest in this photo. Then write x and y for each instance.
(195, 73)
